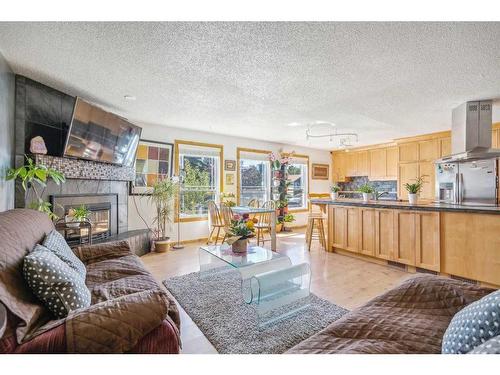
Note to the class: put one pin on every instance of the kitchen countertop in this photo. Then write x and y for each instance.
(404, 205)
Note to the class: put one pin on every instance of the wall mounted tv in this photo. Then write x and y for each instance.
(97, 135)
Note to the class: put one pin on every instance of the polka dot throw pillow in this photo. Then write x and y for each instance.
(474, 325)
(58, 286)
(56, 243)
(492, 346)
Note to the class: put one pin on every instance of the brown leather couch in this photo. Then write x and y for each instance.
(119, 285)
(408, 319)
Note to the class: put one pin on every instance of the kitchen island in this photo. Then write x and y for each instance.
(455, 240)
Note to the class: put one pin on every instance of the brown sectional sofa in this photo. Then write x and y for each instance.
(409, 319)
(129, 311)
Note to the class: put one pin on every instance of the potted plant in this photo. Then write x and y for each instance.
(228, 199)
(162, 197)
(367, 190)
(77, 215)
(334, 192)
(414, 189)
(288, 218)
(34, 179)
(239, 231)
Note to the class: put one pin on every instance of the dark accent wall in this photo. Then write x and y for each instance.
(7, 100)
(43, 111)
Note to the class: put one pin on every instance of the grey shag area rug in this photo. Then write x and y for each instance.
(216, 306)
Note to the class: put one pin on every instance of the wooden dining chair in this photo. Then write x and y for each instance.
(215, 221)
(226, 216)
(316, 219)
(254, 203)
(264, 222)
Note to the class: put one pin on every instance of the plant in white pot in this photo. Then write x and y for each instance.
(367, 190)
(414, 189)
(162, 197)
(334, 192)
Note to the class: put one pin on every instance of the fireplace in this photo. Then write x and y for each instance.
(103, 215)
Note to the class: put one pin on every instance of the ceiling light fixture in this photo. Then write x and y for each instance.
(324, 129)
(129, 97)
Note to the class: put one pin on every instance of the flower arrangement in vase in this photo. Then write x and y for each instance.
(239, 231)
(229, 199)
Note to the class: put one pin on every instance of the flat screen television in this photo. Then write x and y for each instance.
(97, 135)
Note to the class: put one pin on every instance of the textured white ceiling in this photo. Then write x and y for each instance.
(382, 80)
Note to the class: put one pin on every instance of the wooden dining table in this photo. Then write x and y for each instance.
(240, 210)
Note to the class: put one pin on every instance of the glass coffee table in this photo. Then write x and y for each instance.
(270, 283)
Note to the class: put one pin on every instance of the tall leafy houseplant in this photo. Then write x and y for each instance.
(162, 197)
(34, 179)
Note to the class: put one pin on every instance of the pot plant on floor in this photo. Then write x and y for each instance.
(367, 190)
(414, 189)
(162, 197)
(334, 194)
(240, 230)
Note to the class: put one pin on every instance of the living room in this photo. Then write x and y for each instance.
(250, 187)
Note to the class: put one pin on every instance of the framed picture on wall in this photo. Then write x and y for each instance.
(230, 165)
(320, 171)
(153, 162)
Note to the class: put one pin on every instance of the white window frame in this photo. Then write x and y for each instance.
(254, 156)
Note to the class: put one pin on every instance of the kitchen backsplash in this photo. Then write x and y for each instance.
(390, 186)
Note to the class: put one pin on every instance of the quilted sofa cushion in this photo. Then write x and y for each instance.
(408, 319)
(56, 243)
(57, 285)
(473, 325)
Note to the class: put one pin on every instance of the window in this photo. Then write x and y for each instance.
(298, 177)
(254, 177)
(200, 166)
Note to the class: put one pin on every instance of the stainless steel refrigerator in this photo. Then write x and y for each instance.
(470, 183)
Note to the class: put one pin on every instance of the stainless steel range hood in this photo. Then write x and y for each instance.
(471, 133)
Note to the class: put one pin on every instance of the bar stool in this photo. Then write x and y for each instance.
(316, 222)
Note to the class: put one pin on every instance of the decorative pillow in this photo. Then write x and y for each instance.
(473, 325)
(56, 243)
(492, 346)
(58, 286)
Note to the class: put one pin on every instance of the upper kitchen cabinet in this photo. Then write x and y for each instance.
(362, 163)
(378, 163)
(408, 152)
(495, 140)
(445, 147)
(392, 163)
(428, 150)
(338, 166)
(426, 170)
(408, 173)
(351, 164)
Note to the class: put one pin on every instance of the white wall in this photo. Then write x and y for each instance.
(195, 230)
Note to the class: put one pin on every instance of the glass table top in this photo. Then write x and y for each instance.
(253, 256)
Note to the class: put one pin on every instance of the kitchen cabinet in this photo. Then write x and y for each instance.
(337, 220)
(367, 231)
(408, 173)
(427, 240)
(408, 152)
(427, 170)
(445, 147)
(384, 234)
(428, 150)
(404, 237)
(495, 140)
(392, 156)
(352, 229)
(351, 164)
(362, 163)
(338, 167)
(378, 163)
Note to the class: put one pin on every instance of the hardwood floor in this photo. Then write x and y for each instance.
(340, 279)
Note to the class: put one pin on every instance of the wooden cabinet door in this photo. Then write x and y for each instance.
(404, 237)
(392, 158)
(378, 163)
(384, 234)
(428, 150)
(338, 227)
(338, 166)
(353, 229)
(408, 172)
(367, 232)
(362, 163)
(445, 147)
(427, 170)
(351, 163)
(495, 140)
(408, 152)
(427, 236)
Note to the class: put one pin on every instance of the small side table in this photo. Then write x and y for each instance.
(3, 319)
(62, 225)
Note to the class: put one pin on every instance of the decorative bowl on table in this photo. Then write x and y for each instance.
(71, 222)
